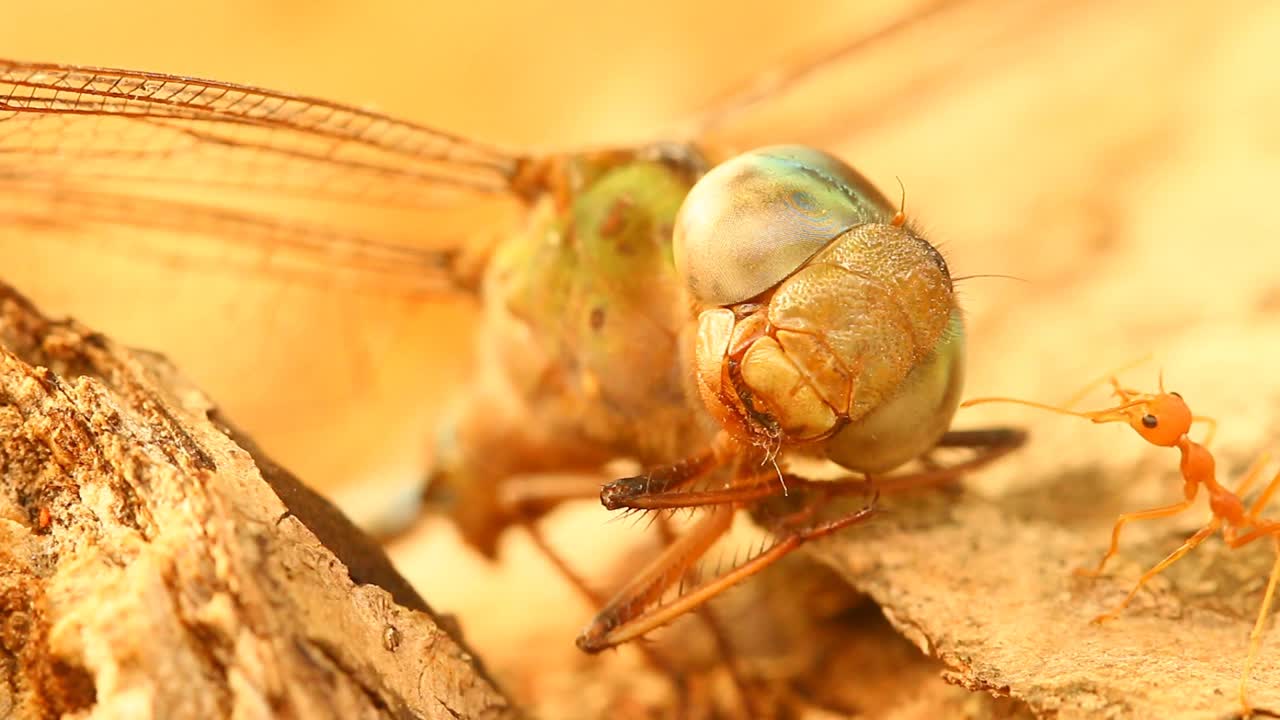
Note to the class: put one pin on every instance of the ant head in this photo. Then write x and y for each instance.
(1161, 419)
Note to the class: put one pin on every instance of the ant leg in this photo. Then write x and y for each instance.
(1261, 528)
(1251, 475)
(1265, 497)
(1160, 567)
(1160, 512)
(636, 610)
(1213, 428)
(1255, 636)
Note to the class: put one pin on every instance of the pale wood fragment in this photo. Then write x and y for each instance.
(150, 569)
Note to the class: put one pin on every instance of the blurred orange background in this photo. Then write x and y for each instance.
(1120, 158)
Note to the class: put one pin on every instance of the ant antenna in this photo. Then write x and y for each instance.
(1116, 413)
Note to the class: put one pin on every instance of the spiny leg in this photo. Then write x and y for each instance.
(763, 486)
(644, 492)
(1160, 512)
(668, 536)
(1160, 567)
(619, 620)
(620, 628)
(664, 479)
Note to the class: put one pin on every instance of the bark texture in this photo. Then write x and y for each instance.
(151, 567)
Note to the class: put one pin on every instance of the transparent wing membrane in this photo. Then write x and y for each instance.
(215, 237)
(293, 187)
(85, 122)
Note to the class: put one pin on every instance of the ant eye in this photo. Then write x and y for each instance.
(1176, 395)
(1149, 421)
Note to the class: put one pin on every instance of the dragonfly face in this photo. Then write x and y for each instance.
(823, 318)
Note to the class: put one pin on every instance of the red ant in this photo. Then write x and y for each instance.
(1164, 419)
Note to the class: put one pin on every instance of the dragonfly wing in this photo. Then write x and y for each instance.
(315, 186)
(276, 247)
(889, 70)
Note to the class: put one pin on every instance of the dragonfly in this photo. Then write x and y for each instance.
(579, 344)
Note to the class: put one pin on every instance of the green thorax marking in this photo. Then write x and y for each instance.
(605, 260)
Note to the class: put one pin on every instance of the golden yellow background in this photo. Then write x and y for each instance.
(1121, 159)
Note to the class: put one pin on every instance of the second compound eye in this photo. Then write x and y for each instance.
(1149, 421)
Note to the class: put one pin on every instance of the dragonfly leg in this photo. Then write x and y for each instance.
(759, 487)
(624, 617)
(533, 495)
(639, 493)
(718, 633)
(989, 445)
(638, 609)
(651, 656)
(666, 478)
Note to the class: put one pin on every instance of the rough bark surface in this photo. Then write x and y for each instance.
(987, 587)
(149, 570)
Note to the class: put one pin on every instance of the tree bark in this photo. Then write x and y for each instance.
(152, 564)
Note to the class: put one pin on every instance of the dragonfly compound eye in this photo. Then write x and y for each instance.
(755, 219)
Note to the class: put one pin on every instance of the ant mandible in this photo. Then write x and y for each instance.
(1164, 419)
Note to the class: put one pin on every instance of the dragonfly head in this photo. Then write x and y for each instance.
(823, 319)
